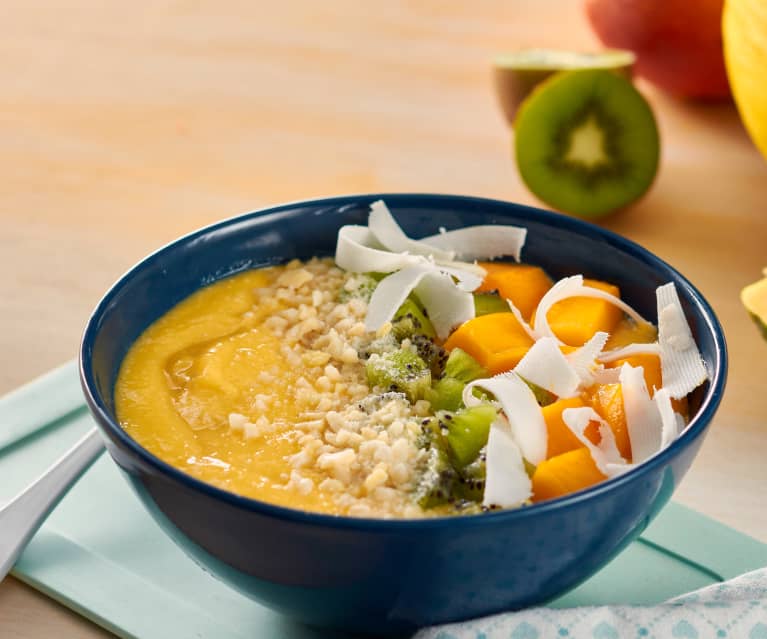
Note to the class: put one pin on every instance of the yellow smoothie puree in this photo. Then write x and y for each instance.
(234, 386)
(191, 369)
(254, 385)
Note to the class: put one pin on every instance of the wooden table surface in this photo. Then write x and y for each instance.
(124, 125)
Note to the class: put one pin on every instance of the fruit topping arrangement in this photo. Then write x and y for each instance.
(536, 389)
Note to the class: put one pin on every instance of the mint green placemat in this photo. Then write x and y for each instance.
(102, 555)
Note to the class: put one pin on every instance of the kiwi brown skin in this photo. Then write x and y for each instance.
(512, 86)
(630, 143)
(515, 81)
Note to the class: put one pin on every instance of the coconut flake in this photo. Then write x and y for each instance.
(391, 292)
(605, 454)
(546, 366)
(358, 251)
(506, 482)
(521, 409)
(643, 418)
(467, 280)
(389, 233)
(564, 288)
(482, 242)
(518, 316)
(569, 287)
(448, 306)
(607, 376)
(651, 348)
(584, 359)
(682, 367)
(669, 419)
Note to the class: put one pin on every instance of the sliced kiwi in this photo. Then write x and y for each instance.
(586, 142)
(437, 485)
(432, 353)
(471, 480)
(410, 320)
(467, 431)
(487, 303)
(438, 477)
(400, 371)
(459, 368)
(441, 482)
(446, 394)
(463, 367)
(516, 74)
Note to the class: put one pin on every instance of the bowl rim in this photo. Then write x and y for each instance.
(694, 429)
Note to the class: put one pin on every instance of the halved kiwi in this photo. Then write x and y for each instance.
(586, 142)
(517, 73)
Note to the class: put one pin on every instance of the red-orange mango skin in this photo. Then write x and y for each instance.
(678, 43)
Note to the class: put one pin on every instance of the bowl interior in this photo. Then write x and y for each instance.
(562, 245)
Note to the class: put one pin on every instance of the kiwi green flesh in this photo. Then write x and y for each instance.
(410, 320)
(586, 142)
(441, 482)
(400, 371)
(438, 481)
(470, 483)
(468, 431)
(516, 74)
(432, 353)
(486, 303)
(464, 367)
(446, 394)
(438, 476)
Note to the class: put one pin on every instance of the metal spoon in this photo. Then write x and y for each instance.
(20, 519)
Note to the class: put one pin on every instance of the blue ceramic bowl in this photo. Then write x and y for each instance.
(379, 576)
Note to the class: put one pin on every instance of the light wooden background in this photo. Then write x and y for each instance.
(126, 124)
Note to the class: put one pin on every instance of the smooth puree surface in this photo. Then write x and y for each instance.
(197, 364)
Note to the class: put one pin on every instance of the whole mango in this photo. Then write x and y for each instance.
(678, 43)
(744, 26)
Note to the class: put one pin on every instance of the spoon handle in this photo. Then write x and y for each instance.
(20, 518)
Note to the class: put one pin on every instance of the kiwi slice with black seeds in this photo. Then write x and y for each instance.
(586, 142)
(410, 320)
(468, 430)
(400, 371)
(438, 477)
(446, 394)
